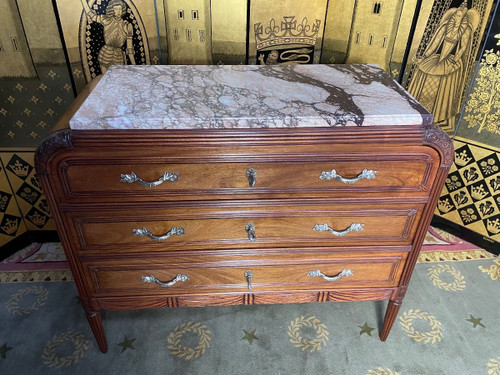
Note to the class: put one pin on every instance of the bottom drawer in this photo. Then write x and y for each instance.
(247, 276)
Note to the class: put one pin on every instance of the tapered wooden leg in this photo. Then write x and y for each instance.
(95, 322)
(390, 316)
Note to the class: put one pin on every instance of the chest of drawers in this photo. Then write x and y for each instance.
(170, 215)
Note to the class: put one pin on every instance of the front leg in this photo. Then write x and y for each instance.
(392, 311)
(95, 322)
(390, 316)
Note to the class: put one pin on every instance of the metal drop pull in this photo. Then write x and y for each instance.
(250, 229)
(365, 174)
(342, 273)
(248, 276)
(152, 279)
(251, 177)
(140, 232)
(132, 177)
(353, 227)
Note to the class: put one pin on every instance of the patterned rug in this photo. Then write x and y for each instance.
(35, 263)
(448, 324)
(47, 262)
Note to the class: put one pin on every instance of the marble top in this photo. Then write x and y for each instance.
(247, 96)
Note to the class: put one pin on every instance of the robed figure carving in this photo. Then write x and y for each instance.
(439, 78)
(116, 31)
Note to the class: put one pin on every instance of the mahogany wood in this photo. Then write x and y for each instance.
(390, 316)
(219, 171)
(95, 214)
(119, 278)
(112, 230)
(95, 322)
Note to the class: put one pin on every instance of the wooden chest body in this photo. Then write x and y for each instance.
(313, 227)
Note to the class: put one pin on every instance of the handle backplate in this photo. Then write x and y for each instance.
(141, 232)
(152, 279)
(132, 177)
(342, 273)
(365, 174)
(354, 227)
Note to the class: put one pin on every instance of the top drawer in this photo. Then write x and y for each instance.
(116, 177)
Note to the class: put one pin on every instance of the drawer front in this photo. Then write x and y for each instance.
(191, 278)
(116, 180)
(195, 228)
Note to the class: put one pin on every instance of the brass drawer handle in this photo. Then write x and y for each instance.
(365, 174)
(132, 177)
(140, 232)
(250, 229)
(248, 276)
(152, 279)
(251, 177)
(343, 273)
(353, 227)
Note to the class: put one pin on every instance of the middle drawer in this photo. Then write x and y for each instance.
(154, 276)
(242, 227)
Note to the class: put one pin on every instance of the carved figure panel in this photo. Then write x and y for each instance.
(471, 197)
(443, 56)
(111, 33)
(100, 33)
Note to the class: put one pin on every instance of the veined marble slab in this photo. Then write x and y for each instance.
(247, 96)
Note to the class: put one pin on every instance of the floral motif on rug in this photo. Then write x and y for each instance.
(441, 246)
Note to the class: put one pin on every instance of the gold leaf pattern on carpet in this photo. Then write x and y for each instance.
(432, 336)
(494, 366)
(306, 344)
(493, 270)
(17, 308)
(382, 371)
(435, 276)
(186, 352)
(50, 357)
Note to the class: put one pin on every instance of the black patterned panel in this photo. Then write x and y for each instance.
(28, 193)
(469, 214)
(494, 184)
(4, 200)
(26, 190)
(44, 205)
(479, 191)
(471, 173)
(492, 225)
(19, 167)
(445, 204)
(34, 182)
(454, 182)
(37, 217)
(10, 225)
(463, 156)
(461, 198)
(489, 165)
(487, 207)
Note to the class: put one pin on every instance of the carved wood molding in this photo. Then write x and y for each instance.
(59, 140)
(409, 223)
(359, 295)
(400, 294)
(172, 302)
(435, 136)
